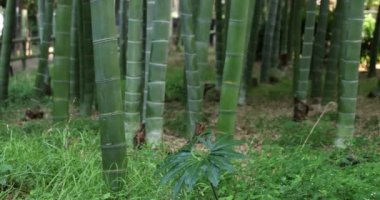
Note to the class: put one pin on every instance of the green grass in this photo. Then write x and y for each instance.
(39, 160)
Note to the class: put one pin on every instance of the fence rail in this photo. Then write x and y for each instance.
(25, 47)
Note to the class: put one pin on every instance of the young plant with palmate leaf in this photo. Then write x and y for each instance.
(319, 51)
(61, 70)
(157, 72)
(333, 57)
(135, 65)
(192, 76)
(234, 64)
(300, 100)
(42, 82)
(349, 71)
(6, 48)
(108, 90)
(202, 158)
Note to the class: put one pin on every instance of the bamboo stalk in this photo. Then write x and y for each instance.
(374, 47)
(87, 52)
(319, 52)
(302, 84)
(202, 35)
(331, 75)
(41, 81)
(296, 39)
(285, 32)
(349, 74)
(150, 4)
(234, 64)
(135, 65)
(157, 71)
(268, 41)
(219, 47)
(192, 75)
(123, 23)
(74, 58)
(108, 87)
(6, 48)
(252, 51)
(247, 75)
(40, 17)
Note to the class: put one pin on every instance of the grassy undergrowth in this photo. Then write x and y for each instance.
(39, 160)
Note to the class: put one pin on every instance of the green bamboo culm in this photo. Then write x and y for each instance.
(292, 15)
(108, 91)
(6, 48)
(135, 66)
(374, 47)
(331, 74)
(61, 70)
(40, 17)
(24, 35)
(277, 40)
(192, 74)
(296, 38)
(319, 51)
(285, 32)
(150, 5)
(74, 58)
(234, 64)
(123, 23)
(157, 71)
(302, 84)
(247, 63)
(87, 52)
(202, 33)
(219, 46)
(252, 51)
(41, 82)
(350, 62)
(268, 41)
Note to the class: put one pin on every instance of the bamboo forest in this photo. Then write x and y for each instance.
(190, 99)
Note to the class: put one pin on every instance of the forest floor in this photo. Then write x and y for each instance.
(41, 160)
